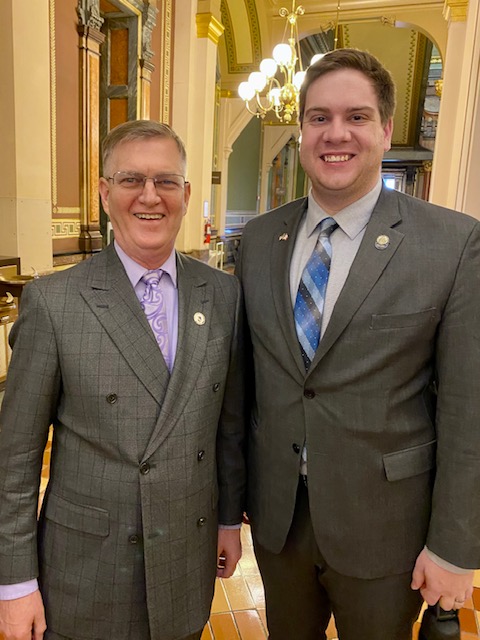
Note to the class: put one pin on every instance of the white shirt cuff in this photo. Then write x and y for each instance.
(20, 590)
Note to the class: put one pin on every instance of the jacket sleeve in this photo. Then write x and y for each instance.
(454, 532)
(231, 430)
(28, 410)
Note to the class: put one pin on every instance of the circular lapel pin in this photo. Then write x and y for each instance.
(382, 242)
(199, 318)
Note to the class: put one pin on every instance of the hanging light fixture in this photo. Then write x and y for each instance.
(278, 97)
(263, 92)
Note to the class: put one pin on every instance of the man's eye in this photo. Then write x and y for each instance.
(130, 180)
(168, 182)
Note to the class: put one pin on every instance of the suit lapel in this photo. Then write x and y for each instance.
(112, 299)
(283, 242)
(195, 296)
(367, 267)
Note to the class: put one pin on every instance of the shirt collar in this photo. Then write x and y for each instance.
(135, 271)
(352, 220)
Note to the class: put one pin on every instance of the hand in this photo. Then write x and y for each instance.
(229, 552)
(23, 618)
(436, 584)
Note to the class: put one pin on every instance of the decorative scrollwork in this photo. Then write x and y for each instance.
(88, 12)
(149, 19)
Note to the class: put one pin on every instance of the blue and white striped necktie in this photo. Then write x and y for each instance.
(310, 300)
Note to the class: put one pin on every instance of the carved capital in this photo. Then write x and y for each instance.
(455, 10)
(209, 27)
(88, 12)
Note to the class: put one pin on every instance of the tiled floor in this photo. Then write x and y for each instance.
(238, 609)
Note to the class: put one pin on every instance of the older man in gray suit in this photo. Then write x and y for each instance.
(365, 443)
(135, 357)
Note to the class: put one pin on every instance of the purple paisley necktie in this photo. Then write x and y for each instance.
(153, 304)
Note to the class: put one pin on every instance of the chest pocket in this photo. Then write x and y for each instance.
(404, 320)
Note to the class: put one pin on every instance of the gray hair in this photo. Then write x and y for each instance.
(138, 130)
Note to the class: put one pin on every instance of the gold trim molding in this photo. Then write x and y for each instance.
(455, 10)
(165, 57)
(229, 38)
(53, 102)
(66, 228)
(67, 210)
(209, 27)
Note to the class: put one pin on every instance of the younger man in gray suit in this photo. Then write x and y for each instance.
(135, 357)
(364, 456)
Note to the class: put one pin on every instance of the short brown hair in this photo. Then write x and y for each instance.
(136, 130)
(362, 61)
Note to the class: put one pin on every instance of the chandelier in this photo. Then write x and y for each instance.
(263, 92)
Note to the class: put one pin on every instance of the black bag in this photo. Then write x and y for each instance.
(438, 624)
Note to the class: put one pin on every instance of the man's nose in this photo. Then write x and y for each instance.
(338, 130)
(149, 192)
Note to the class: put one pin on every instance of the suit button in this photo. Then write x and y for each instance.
(200, 455)
(112, 398)
(144, 468)
(309, 394)
(216, 387)
(296, 447)
(201, 522)
(134, 539)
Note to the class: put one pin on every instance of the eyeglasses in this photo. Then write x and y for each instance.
(164, 182)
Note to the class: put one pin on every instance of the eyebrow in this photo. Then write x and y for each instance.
(349, 110)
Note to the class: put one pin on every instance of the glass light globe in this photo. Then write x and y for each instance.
(268, 66)
(274, 96)
(283, 54)
(258, 80)
(298, 79)
(316, 58)
(246, 91)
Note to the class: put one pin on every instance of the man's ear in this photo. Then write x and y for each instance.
(186, 196)
(387, 133)
(104, 190)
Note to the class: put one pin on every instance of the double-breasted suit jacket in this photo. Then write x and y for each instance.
(143, 463)
(389, 409)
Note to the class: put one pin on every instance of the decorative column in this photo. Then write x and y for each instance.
(427, 179)
(233, 119)
(149, 19)
(197, 31)
(454, 181)
(25, 114)
(91, 38)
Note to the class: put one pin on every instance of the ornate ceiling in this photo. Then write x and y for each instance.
(399, 32)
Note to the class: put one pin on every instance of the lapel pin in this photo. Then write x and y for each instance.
(284, 236)
(382, 242)
(199, 318)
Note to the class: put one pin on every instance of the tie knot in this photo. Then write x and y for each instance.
(327, 227)
(152, 278)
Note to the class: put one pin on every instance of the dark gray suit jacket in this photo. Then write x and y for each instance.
(143, 463)
(390, 466)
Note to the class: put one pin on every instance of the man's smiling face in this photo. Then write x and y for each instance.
(343, 138)
(145, 223)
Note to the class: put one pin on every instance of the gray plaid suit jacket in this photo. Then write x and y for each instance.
(390, 465)
(143, 464)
